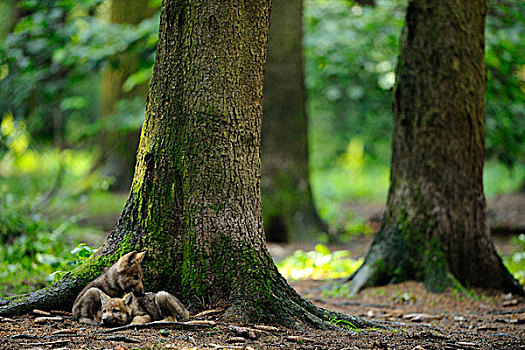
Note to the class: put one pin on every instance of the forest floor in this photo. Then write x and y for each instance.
(413, 318)
(418, 320)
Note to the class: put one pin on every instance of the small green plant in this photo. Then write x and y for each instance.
(338, 290)
(332, 319)
(377, 292)
(516, 262)
(79, 254)
(318, 264)
(404, 298)
(461, 292)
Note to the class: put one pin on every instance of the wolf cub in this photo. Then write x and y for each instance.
(122, 277)
(120, 311)
(158, 306)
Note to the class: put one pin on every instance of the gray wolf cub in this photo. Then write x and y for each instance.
(100, 308)
(123, 276)
(158, 306)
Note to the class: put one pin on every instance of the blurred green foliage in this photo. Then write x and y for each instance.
(350, 57)
(318, 264)
(505, 57)
(516, 262)
(39, 194)
(48, 64)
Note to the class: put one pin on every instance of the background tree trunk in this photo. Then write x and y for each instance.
(194, 205)
(119, 147)
(435, 226)
(288, 209)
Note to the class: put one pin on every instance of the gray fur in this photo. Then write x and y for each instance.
(87, 308)
(160, 306)
(123, 276)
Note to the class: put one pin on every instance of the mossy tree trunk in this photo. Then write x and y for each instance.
(119, 148)
(435, 228)
(288, 208)
(194, 205)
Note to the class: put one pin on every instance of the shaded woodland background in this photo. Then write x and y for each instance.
(73, 81)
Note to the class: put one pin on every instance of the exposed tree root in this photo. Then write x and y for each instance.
(62, 294)
(287, 308)
(384, 265)
(59, 296)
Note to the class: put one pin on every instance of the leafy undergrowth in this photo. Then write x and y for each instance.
(44, 196)
(318, 264)
(516, 262)
(323, 264)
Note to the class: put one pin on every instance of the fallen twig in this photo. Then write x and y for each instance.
(209, 312)
(122, 338)
(506, 312)
(66, 336)
(161, 324)
(271, 329)
(216, 346)
(65, 331)
(40, 312)
(299, 339)
(58, 342)
(50, 318)
(61, 313)
(6, 319)
(22, 336)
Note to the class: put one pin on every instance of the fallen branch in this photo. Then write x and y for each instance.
(58, 342)
(268, 329)
(506, 312)
(209, 312)
(121, 338)
(192, 325)
(216, 346)
(6, 319)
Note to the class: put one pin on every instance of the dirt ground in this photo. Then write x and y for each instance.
(411, 317)
(414, 319)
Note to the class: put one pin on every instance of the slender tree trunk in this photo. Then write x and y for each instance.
(435, 228)
(288, 209)
(194, 204)
(119, 148)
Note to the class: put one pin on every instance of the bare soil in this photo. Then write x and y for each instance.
(414, 319)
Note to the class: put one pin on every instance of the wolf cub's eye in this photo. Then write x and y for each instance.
(136, 277)
(104, 311)
(116, 311)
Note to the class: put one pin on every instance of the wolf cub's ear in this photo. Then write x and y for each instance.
(104, 298)
(140, 256)
(128, 298)
(126, 260)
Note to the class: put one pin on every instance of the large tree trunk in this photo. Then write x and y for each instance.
(119, 148)
(435, 228)
(195, 204)
(288, 209)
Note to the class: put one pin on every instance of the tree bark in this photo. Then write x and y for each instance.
(435, 228)
(119, 148)
(288, 208)
(194, 204)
